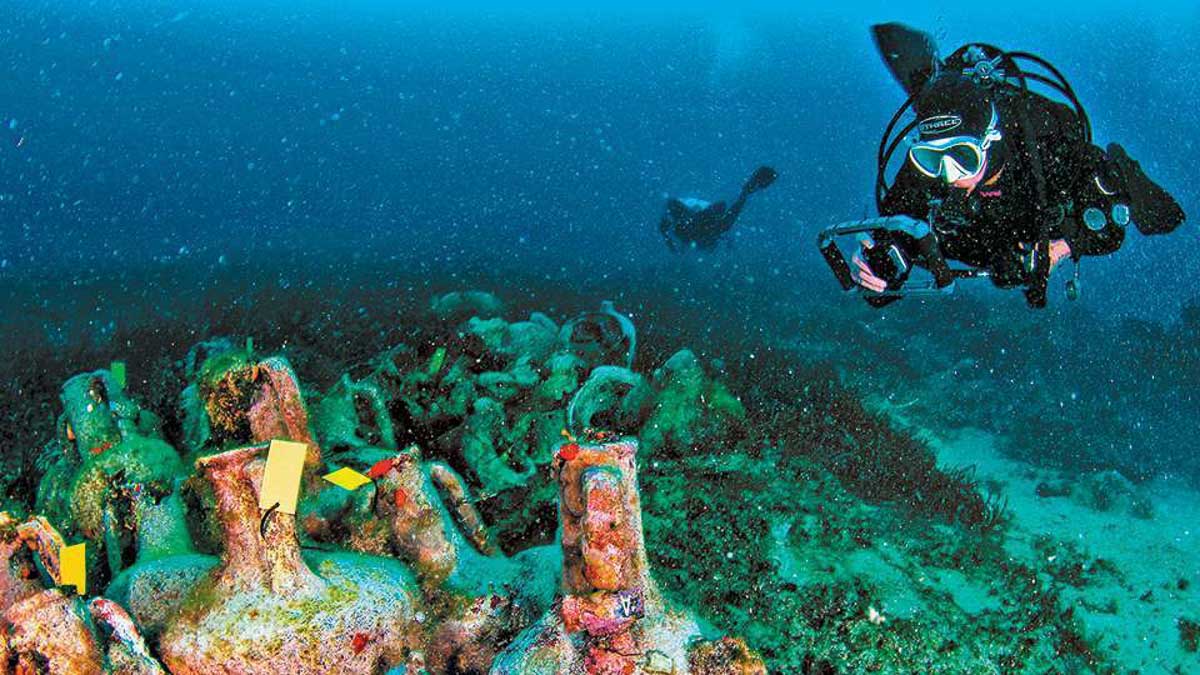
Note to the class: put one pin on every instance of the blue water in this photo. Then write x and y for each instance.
(159, 161)
(525, 134)
(283, 143)
(331, 145)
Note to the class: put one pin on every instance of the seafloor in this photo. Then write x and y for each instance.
(797, 491)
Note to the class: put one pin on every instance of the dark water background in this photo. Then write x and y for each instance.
(156, 152)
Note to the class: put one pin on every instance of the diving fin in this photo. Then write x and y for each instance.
(1153, 209)
(910, 55)
(762, 178)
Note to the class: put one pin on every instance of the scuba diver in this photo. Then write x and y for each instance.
(999, 178)
(696, 223)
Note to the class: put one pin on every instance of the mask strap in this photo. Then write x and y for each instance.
(993, 131)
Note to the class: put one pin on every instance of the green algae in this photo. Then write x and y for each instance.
(162, 529)
(81, 497)
(134, 460)
(766, 544)
(1189, 634)
(53, 496)
(224, 391)
(689, 408)
(813, 578)
(562, 380)
(219, 364)
(203, 596)
(347, 577)
(354, 414)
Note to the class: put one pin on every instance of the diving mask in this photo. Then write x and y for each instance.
(955, 158)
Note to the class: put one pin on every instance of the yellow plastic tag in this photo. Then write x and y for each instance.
(347, 479)
(72, 567)
(281, 478)
(118, 372)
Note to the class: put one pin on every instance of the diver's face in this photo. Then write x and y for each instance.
(959, 161)
(970, 182)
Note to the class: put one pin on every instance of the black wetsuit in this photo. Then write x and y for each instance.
(998, 225)
(702, 228)
(684, 225)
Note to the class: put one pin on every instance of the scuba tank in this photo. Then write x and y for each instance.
(912, 58)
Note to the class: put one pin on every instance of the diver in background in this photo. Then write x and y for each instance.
(696, 223)
(1007, 178)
